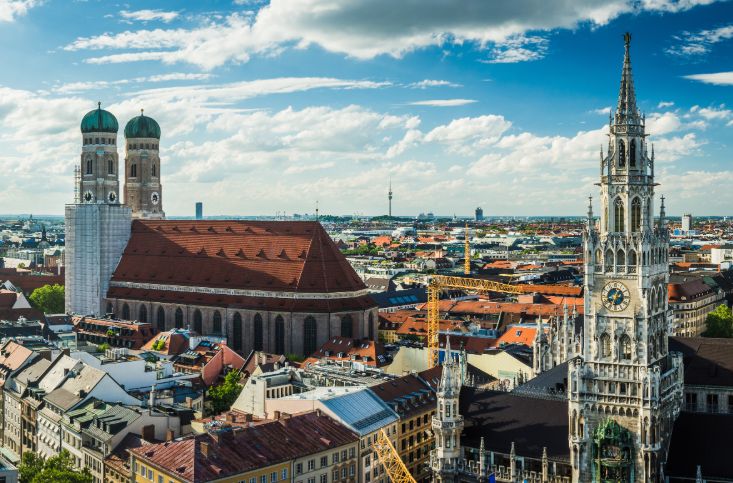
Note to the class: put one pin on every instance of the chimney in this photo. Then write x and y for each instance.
(248, 418)
(277, 414)
(170, 435)
(148, 432)
(205, 448)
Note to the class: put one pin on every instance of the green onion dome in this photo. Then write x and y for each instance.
(142, 127)
(99, 120)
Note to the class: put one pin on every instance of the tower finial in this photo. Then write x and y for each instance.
(142, 111)
(99, 104)
(626, 111)
(627, 39)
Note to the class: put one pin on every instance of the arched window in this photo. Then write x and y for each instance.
(110, 166)
(620, 258)
(621, 154)
(96, 140)
(161, 319)
(125, 312)
(143, 314)
(310, 336)
(625, 347)
(217, 322)
(259, 333)
(198, 323)
(179, 318)
(237, 331)
(662, 295)
(632, 258)
(133, 170)
(636, 215)
(279, 335)
(347, 326)
(605, 345)
(370, 321)
(598, 256)
(618, 215)
(89, 166)
(154, 170)
(632, 153)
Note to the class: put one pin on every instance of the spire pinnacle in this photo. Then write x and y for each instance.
(99, 104)
(626, 111)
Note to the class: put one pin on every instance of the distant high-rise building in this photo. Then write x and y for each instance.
(389, 196)
(479, 214)
(199, 210)
(686, 222)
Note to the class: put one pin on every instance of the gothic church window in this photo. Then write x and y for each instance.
(237, 331)
(632, 258)
(259, 333)
(198, 322)
(179, 318)
(618, 215)
(133, 170)
(125, 312)
(161, 319)
(279, 335)
(636, 215)
(621, 154)
(609, 259)
(154, 170)
(632, 153)
(217, 322)
(620, 258)
(110, 167)
(89, 166)
(310, 336)
(347, 326)
(605, 345)
(143, 314)
(625, 347)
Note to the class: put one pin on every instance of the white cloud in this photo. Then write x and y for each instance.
(443, 102)
(674, 148)
(691, 44)
(12, 9)
(719, 113)
(658, 124)
(424, 84)
(178, 76)
(518, 49)
(82, 86)
(508, 30)
(603, 111)
(312, 167)
(149, 15)
(716, 78)
(665, 104)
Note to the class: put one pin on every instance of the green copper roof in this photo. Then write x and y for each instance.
(142, 127)
(99, 120)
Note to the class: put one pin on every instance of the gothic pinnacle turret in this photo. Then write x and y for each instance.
(626, 111)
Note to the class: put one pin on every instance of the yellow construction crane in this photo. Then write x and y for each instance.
(389, 458)
(441, 282)
(467, 254)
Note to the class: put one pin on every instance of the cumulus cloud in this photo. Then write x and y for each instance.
(716, 78)
(82, 86)
(665, 104)
(149, 15)
(509, 31)
(12, 9)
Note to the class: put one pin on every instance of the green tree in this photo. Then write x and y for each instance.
(49, 299)
(719, 323)
(58, 468)
(223, 395)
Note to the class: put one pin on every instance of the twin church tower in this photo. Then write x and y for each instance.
(98, 222)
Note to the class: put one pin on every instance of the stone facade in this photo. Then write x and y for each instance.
(625, 389)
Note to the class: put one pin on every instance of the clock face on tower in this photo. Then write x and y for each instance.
(112, 197)
(155, 198)
(88, 197)
(615, 296)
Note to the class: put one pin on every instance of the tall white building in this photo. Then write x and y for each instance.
(97, 225)
(686, 222)
(625, 389)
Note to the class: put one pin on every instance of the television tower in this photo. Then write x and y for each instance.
(389, 197)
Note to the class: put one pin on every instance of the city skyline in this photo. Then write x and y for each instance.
(262, 114)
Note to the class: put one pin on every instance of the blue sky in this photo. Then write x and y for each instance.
(267, 107)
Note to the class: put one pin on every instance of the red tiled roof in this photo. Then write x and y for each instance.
(231, 452)
(569, 290)
(349, 347)
(518, 335)
(255, 255)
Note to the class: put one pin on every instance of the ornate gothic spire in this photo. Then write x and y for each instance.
(626, 111)
(446, 380)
